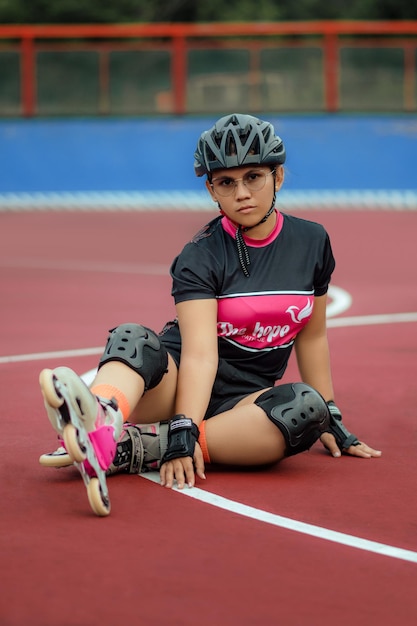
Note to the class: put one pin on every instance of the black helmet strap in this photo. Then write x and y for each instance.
(242, 250)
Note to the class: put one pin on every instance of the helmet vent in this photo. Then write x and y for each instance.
(210, 154)
(230, 145)
(217, 138)
(244, 136)
(255, 147)
(266, 133)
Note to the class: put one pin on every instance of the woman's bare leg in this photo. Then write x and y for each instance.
(155, 405)
(241, 436)
(244, 436)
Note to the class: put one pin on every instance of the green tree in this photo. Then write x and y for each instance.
(111, 11)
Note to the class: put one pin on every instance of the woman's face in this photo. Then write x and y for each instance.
(245, 193)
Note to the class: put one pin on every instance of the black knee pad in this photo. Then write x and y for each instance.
(140, 349)
(300, 413)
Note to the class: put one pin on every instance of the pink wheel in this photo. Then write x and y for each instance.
(72, 445)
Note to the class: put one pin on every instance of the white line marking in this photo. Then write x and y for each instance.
(340, 301)
(367, 320)
(40, 356)
(154, 269)
(290, 524)
(360, 320)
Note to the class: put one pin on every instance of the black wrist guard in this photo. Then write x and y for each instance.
(182, 436)
(344, 438)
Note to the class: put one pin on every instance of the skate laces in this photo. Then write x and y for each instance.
(109, 414)
(103, 406)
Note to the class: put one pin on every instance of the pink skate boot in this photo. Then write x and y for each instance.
(89, 428)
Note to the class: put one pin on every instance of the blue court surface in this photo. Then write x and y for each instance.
(134, 163)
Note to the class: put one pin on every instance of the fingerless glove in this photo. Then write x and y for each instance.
(182, 437)
(344, 438)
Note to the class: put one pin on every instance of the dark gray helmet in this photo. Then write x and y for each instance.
(237, 140)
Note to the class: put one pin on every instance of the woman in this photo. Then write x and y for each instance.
(249, 287)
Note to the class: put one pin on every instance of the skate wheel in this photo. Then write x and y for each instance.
(71, 444)
(100, 505)
(59, 458)
(46, 381)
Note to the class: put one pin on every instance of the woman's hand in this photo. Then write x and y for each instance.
(361, 450)
(182, 471)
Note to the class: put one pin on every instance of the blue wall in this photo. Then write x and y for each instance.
(324, 153)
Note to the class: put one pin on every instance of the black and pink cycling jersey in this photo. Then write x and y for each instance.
(260, 315)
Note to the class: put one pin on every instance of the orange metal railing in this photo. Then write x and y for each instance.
(330, 36)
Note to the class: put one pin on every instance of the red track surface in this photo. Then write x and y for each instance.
(164, 559)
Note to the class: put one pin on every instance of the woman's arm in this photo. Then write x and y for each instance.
(312, 351)
(198, 367)
(313, 358)
(199, 357)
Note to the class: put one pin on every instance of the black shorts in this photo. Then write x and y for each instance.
(231, 384)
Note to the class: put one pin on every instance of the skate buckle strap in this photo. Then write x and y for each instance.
(344, 438)
(182, 437)
(104, 445)
(112, 402)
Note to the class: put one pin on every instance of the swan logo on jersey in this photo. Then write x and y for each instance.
(298, 315)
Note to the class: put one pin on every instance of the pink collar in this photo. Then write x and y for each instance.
(230, 228)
